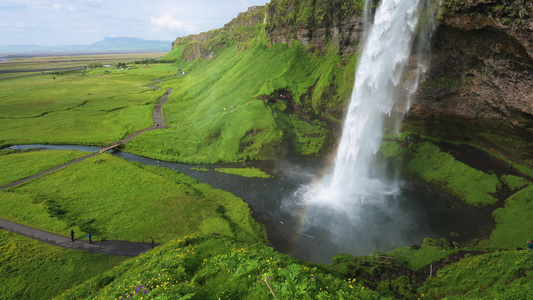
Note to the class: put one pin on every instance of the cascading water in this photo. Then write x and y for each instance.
(358, 207)
(378, 74)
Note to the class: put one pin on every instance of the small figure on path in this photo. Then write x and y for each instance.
(152, 243)
(90, 236)
(529, 245)
(72, 235)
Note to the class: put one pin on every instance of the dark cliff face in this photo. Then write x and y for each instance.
(479, 82)
(316, 23)
(481, 61)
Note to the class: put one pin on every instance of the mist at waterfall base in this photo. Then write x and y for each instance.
(359, 210)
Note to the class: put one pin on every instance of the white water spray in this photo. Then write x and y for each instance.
(377, 78)
(354, 209)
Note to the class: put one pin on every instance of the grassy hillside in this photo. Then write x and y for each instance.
(218, 268)
(241, 105)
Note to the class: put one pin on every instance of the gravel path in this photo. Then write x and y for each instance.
(122, 248)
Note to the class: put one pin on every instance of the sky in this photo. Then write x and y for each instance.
(83, 22)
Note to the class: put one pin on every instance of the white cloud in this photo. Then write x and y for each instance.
(166, 21)
(57, 6)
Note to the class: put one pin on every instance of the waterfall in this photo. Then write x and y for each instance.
(353, 208)
(377, 78)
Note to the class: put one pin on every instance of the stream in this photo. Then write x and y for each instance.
(412, 215)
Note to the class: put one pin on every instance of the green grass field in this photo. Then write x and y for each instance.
(93, 108)
(15, 166)
(29, 63)
(30, 269)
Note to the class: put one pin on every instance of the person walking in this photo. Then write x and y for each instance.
(89, 236)
(152, 243)
(72, 235)
(529, 245)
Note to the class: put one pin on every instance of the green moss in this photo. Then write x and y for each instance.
(513, 227)
(514, 182)
(442, 171)
(244, 172)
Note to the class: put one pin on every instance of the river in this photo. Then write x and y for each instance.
(417, 213)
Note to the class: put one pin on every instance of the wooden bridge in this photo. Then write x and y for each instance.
(109, 147)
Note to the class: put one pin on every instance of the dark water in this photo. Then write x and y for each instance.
(317, 233)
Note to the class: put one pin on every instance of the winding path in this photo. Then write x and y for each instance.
(121, 248)
(115, 247)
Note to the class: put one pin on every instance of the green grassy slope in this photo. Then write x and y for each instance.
(33, 270)
(217, 268)
(229, 108)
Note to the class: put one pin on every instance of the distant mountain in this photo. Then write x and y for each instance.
(107, 44)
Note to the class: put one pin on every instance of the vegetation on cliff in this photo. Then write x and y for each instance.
(261, 103)
(239, 95)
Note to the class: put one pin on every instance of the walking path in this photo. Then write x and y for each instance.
(23, 180)
(115, 247)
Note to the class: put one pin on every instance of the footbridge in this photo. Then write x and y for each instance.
(114, 146)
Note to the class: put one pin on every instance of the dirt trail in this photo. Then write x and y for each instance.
(122, 248)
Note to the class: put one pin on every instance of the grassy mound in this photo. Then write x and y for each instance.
(441, 171)
(217, 268)
(245, 172)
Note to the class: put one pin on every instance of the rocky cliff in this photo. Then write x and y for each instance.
(478, 85)
(480, 76)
